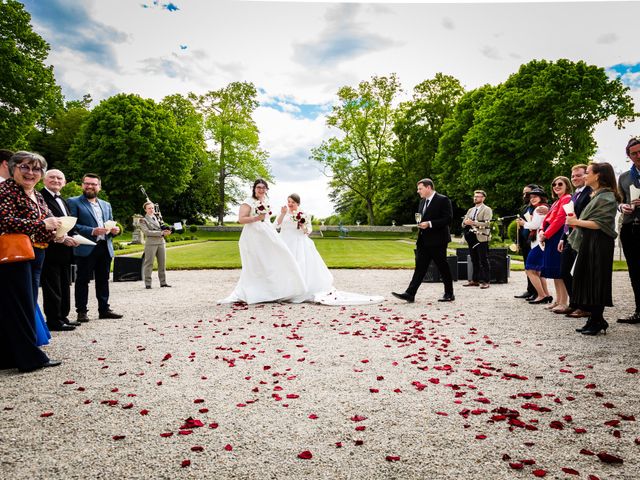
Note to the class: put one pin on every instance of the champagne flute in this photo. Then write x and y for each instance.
(418, 217)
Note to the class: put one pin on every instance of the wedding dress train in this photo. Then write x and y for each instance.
(316, 275)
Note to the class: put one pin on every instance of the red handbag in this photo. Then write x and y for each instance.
(15, 247)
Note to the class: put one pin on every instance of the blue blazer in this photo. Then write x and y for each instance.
(80, 208)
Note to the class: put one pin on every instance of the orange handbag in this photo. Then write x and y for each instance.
(15, 247)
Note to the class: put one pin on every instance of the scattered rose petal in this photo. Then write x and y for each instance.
(166, 434)
(46, 414)
(539, 472)
(197, 448)
(228, 447)
(185, 463)
(570, 471)
(608, 458)
(118, 437)
(391, 458)
(305, 455)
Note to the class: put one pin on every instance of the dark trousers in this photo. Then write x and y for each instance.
(424, 256)
(17, 314)
(480, 260)
(56, 291)
(630, 238)
(525, 247)
(566, 264)
(98, 262)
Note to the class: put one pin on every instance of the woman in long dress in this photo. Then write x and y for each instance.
(295, 227)
(593, 237)
(269, 271)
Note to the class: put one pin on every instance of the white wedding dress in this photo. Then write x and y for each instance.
(269, 271)
(317, 278)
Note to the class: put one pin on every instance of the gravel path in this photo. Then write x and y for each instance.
(487, 387)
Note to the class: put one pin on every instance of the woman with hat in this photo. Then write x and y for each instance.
(534, 263)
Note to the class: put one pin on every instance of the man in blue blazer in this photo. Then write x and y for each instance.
(92, 213)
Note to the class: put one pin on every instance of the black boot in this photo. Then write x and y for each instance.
(596, 327)
(586, 326)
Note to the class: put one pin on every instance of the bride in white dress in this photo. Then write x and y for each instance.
(269, 271)
(295, 227)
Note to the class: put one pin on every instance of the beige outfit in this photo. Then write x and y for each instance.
(154, 247)
(481, 223)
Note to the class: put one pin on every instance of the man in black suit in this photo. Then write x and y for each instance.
(56, 270)
(435, 214)
(580, 198)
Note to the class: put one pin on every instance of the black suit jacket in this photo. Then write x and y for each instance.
(579, 204)
(57, 252)
(439, 213)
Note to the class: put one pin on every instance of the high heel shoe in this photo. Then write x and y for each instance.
(596, 327)
(548, 299)
(586, 326)
(552, 306)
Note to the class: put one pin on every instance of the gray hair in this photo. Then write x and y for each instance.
(26, 157)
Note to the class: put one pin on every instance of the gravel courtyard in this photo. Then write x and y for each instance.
(486, 387)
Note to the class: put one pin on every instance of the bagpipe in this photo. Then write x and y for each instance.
(156, 212)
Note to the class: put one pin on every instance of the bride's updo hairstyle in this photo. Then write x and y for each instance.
(259, 181)
(295, 197)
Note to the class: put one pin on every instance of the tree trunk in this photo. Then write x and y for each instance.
(370, 212)
(221, 178)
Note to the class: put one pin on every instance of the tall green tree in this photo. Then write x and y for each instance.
(130, 141)
(536, 125)
(58, 134)
(355, 161)
(230, 128)
(418, 128)
(28, 91)
(200, 198)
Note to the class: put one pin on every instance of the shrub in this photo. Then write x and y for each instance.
(193, 228)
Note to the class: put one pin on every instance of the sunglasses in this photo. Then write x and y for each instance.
(557, 184)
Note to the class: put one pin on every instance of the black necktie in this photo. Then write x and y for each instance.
(475, 213)
(426, 205)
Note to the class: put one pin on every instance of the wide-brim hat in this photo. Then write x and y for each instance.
(538, 191)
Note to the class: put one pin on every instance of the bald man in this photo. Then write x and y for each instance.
(56, 270)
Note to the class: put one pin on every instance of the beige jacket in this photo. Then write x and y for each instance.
(151, 229)
(482, 224)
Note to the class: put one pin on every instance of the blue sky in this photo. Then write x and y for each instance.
(298, 54)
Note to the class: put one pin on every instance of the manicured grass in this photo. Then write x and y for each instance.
(336, 254)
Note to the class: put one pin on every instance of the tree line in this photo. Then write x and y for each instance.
(192, 153)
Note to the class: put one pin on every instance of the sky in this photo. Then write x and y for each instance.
(298, 54)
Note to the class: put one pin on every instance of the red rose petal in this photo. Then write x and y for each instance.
(358, 418)
(118, 437)
(570, 471)
(197, 448)
(338, 444)
(631, 370)
(360, 428)
(608, 458)
(213, 425)
(306, 455)
(199, 400)
(584, 451)
(539, 472)
(166, 434)
(516, 466)
(228, 447)
(185, 463)
(481, 437)
(391, 458)
(46, 414)
(144, 411)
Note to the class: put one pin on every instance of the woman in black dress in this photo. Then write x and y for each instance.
(593, 238)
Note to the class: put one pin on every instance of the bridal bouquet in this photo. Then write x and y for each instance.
(301, 219)
(261, 208)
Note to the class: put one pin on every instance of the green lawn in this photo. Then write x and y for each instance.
(336, 254)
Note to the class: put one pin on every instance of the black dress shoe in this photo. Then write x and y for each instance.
(61, 328)
(596, 327)
(548, 299)
(83, 317)
(447, 297)
(404, 296)
(50, 363)
(148, 287)
(109, 314)
(523, 295)
(166, 285)
(73, 324)
(631, 319)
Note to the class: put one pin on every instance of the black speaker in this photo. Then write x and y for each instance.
(499, 264)
(461, 255)
(127, 269)
(433, 275)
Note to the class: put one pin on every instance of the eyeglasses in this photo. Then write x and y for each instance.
(24, 168)
(557, 184)
(90, 184)
(261, 188)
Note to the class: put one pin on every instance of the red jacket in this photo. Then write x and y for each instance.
(555, 218)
